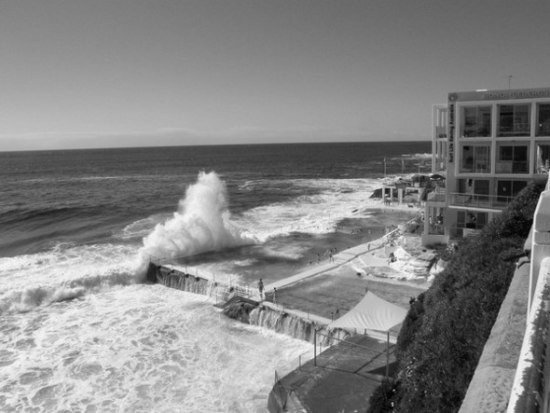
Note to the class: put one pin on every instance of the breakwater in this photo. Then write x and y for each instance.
(172, 278)
(295, 325)
(244, 305)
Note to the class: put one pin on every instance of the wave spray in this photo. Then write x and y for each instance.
(202, 223)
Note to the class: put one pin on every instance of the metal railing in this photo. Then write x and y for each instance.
(511, 167)
(462, 231)
(436, 197)
(479, 200)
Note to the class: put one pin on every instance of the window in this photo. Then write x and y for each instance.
(514, 120)
(470, 219)
(507, 190)
(512, 158)
(474, 192)
(476, 158)
(543, 121)
(476, 121)
(543, 158)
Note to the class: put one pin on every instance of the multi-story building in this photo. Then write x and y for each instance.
(496, 142)
(436, 200)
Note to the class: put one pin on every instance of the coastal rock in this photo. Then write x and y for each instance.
(239, 310)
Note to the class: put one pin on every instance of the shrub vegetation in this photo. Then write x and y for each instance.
(447, 326)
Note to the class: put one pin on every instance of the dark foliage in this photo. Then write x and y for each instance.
(445, 330)
(411, 324)
(381, 400)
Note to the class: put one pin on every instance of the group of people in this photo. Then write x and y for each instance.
(261, 290)
(330, 253)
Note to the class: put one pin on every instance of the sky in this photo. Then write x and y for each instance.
(115, 73)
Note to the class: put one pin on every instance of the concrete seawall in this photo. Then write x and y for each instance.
(295, 324)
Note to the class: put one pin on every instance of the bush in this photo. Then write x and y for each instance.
(445, 330)
(381, 401)
(411, 324)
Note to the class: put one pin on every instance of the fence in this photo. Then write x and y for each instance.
(375, 358)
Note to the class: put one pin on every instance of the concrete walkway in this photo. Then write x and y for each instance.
(339, 259)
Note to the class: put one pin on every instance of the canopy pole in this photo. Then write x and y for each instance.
(315, 347)
(388, 354)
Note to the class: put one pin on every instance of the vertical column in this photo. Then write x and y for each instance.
(532, 153)
(532, 157)
(427, 214)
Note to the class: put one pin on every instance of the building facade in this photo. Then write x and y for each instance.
(496, 142)
(436, 199)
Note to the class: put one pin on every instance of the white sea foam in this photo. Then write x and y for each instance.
(336, 199)
(62, 273)
(141, 227)
(202, 223)
(425, 155)
(138, 348)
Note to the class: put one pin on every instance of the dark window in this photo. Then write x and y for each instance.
(508, 189)
(468, 219)
(512, 158)
(476, 121)
(543, 123)
(476, 158)
(514, 120)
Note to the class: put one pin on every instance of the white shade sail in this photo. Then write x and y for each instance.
(372, 313)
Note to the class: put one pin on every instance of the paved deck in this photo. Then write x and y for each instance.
(342, 380)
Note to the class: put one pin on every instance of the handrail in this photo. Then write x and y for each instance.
(479, 200)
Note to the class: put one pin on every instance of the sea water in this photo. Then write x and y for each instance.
(79, 329)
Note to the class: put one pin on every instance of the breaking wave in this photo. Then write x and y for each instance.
(202, 223)
(63, 273)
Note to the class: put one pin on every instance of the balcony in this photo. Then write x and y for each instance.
(463, 232)
(478, 167)
(510, 167)
(517, 129)
(437, 197)
(441, 132)
(479, 201)
(436, 229)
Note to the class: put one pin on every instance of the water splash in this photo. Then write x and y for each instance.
(202, 223)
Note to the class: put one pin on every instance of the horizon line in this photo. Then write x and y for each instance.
(216, 144)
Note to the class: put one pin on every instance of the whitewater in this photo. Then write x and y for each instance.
(80, 331)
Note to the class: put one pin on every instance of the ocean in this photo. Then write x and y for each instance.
(80, 331)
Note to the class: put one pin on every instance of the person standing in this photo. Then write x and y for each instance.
(261, 289)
